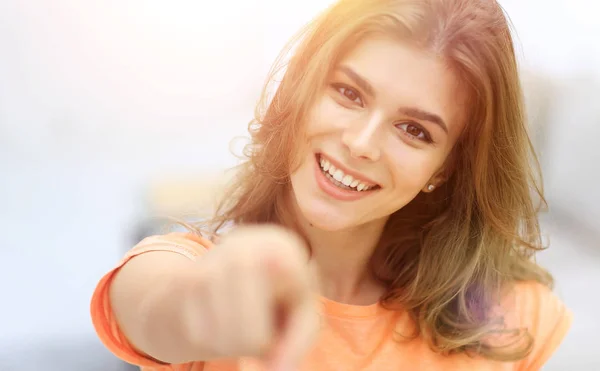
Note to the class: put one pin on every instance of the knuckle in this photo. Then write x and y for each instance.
(240, 262)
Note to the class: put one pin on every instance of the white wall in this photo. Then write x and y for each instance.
(98, 97)
(559, 44)
(95, 99)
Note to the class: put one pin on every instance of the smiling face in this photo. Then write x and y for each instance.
(380, 133)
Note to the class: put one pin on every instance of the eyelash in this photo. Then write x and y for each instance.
(338, 88)
(426, 136)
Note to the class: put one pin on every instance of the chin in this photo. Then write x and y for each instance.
(320, 211)
(327, 208)
(325, 217)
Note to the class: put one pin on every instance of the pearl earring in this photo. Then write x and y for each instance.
(430, 187)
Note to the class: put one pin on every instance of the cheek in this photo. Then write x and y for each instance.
(413, 168)
(327, 116)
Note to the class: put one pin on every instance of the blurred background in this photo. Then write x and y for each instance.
(113, 111)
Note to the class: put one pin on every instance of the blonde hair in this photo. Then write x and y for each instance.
(446, 256)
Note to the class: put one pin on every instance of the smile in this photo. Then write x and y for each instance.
(339, 183)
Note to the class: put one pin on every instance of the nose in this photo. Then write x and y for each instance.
(361, 138)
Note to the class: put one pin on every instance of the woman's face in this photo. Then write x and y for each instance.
(378, 135)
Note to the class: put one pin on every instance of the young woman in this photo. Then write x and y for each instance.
(385, 218)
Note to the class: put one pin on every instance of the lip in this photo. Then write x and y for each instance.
(336, 192)
(355, 175)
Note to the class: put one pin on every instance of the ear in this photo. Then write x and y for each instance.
(440, 177)
(437, 180)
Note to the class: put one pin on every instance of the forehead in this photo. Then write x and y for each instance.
(403, 75)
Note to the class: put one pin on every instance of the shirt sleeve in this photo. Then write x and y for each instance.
(546, 319)
(105, 324)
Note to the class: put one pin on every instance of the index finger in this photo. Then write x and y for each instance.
(299, 318)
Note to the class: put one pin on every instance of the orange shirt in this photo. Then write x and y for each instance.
(352, 337)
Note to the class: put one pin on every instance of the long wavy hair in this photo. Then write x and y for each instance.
(447, 255)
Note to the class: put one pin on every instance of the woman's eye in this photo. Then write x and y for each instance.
(415, 131)
(349, 94)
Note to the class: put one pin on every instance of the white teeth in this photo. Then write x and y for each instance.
(347, 180)
(325, 164)
(338, 175)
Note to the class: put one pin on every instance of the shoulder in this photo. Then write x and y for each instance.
(103, 319)
(536, 309)
(534, 305)
(187, 244)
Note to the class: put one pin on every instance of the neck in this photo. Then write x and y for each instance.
(341, 260)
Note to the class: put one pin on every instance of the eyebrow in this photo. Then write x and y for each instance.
(425, 116)
(413, 112)
(358, 80)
